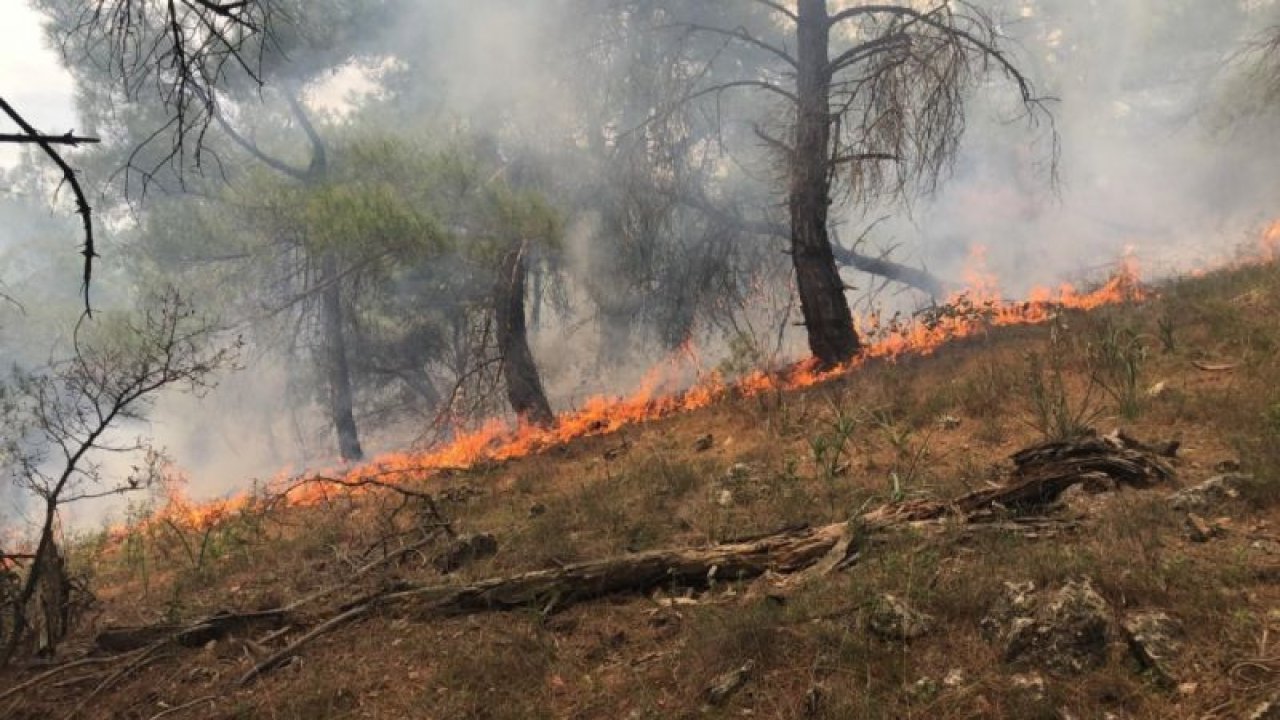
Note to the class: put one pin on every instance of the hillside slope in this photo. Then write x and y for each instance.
(930, 619)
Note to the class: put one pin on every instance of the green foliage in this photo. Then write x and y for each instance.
(744, 356)
(1116, 357)
(1053, 413)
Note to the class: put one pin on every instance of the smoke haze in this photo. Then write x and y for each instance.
(1156, 158)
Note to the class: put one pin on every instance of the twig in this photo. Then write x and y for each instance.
(275, 660)
(180, 708)
(145, 658)
(60, 669)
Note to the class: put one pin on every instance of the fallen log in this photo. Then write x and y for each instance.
(558, 588)
(198, 634)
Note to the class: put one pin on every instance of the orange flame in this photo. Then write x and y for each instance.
(967, 313)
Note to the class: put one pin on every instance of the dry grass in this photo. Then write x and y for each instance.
(921, 427)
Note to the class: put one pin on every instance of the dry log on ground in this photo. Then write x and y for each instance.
(550, 590)
(197, 634)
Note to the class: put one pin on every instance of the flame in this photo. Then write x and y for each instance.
(660, 393)
(1269, 243)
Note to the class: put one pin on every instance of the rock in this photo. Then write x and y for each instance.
(464, 550)
(948, 422)
(537, 510)
(893, 619)
(1155, 640)
(923, 690)
(1066, 634)
(1030, 686)
(703, 443)
(724, 498)
(1017, 600)
(724, 686)
(1158, 389)
(1201, 530)
(1230, 465)
(738, 472)
(1216, 489)
(954, 679)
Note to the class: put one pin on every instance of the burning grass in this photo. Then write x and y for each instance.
(971, 312)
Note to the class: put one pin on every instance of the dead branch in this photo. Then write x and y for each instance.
(146, 657)
(54, 672)
(72, 180)
(185, 706)
(280, 657)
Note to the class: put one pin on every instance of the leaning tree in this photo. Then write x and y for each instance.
(872, 104)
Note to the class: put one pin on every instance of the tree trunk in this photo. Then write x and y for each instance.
(832, 339)
(524, 386)
(336, 365)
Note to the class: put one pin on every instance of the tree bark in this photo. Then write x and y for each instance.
(832, 339)
(335, 361)
(524, 386)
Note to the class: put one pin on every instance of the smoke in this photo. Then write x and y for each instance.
(1156, 158)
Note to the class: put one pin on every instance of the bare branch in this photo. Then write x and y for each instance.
(741, 35)
(64, 139)
(69, 177)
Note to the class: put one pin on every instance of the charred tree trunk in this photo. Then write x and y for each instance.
(336, 366)
(524, 386)
(41, 607)
(832, 339)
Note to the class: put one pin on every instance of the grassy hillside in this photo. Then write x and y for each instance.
(1199, 363)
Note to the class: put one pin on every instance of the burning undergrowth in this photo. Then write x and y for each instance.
(665, 390)
(968, 313)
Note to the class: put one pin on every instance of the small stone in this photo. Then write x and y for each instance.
(924, 689)
(724, 686)
(1155, 640)
(1030, 685)
(703, 443)
(1158, 389)
(1216, 489)
(892, 619)
(738, 472)
(1018, 599)
(948, 422)
(724, 498)
(1200, 530)
(954, 678)
(537, 510)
